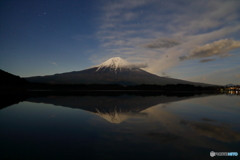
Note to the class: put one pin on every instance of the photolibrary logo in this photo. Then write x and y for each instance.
(212, 153)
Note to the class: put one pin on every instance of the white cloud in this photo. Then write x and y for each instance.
(218, 48)
(138, 65)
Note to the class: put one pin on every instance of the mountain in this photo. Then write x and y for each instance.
(11, 84)
(113, 71)
(10, 79)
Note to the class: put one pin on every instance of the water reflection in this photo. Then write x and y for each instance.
(113, 109)
(221, 132)
(121, 108)
(120, 127)
(117, 115)
(232, 93)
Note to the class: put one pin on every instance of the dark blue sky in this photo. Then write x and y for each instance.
(35, 34)
(191, 40)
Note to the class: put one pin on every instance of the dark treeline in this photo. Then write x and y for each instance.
(16, 97)
(168, 87)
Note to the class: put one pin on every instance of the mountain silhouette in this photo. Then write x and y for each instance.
(113, 71)
(11, 84)
(10, 79)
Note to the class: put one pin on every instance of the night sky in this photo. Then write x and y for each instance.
(191, 40)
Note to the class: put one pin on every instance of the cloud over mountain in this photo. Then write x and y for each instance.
(138, 65)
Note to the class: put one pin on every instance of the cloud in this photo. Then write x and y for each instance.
(217, 48)
(138, 65)
(162, 43)
(133, 31)
(206, 60)
(130, 65)
(165, 75)
(53, 63)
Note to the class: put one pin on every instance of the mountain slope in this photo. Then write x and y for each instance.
(10, 79)
(112, 71)
(10, 84)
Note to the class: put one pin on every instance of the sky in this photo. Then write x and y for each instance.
(191, 40)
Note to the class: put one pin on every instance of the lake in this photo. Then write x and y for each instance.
(120, 126)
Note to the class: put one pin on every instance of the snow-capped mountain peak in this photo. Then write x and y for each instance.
(114, 63)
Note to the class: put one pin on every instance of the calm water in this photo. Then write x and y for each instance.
(120, 127)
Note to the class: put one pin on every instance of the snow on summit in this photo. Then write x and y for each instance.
(118, 63)
(114, 63)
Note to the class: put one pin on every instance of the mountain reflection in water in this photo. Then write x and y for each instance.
(120, 126)
(114, 109)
